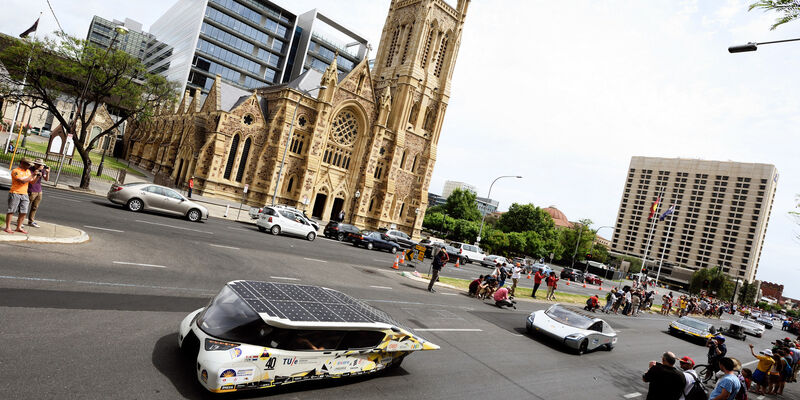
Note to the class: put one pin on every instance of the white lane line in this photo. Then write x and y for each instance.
(138, 264)
(284, 278)
(103, 229)
(381, 287)
(760, 397)
(173, 226)
(632, 395)
(447, 330)
(223, 247)
(749, 363)
(66, 199)
(381, 260)
(449, 294)
(239, 229)
(314, 259)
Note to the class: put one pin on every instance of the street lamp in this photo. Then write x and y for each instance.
(489, 196)
(289, 139)
(357, 194)
(752, 46)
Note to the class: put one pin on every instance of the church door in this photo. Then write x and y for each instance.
(319, 205)
(338, 204)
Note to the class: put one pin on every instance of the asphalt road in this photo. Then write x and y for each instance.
(99, 320)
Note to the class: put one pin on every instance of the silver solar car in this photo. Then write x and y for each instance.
(147, 196)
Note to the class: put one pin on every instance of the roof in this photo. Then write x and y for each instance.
(307, 80)
(306, 305)
(559, 218)
(230, 96)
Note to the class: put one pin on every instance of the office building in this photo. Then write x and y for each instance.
(721, 214)
(450, 186)
(134, 42)
(485, 205)
(249, 43)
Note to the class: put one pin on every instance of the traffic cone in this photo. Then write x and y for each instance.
(600, 288)
(395, 263)
(567, 282)
(403, 259)
(458, 263)
(584, 285)
(529, 276)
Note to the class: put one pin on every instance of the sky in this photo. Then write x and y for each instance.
(565, 93)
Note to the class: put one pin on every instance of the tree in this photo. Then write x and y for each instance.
(525, 217)
(747, 293)
(713, 281)
(569, 239)
(789, 8)
(72, 67)
(461, 205)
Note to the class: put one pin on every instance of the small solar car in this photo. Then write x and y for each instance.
(255, 335)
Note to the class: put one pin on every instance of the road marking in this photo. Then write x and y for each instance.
(380, 287)
(103, 229)
(632, 395)
(26, 278)
(284, 278)
(223, 247)
(173, 226)
(760, 397)
(448, 330)
(749, 363)
(314, 259)
(66, 199)
(138, 264)
(381, 260)
(449, 294)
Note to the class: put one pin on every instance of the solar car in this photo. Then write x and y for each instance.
(694, 329)
(576, 331)
(255, 335)
(752, 328)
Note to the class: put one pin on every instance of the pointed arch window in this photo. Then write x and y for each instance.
(424, 61)
(412, 118)
(414, 163)
(393, 47)
(430, 116)
(243, 160)
(290, 186)
(231, 157)
(403, 159)
(437, 70)
(408, 43)
(371, 203)
(402, 208)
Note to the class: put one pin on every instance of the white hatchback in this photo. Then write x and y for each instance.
(280, 220)
(470, 252)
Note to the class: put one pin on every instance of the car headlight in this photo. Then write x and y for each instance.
(574, 336)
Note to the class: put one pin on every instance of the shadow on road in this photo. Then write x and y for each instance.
(168, 360)
(36, 298)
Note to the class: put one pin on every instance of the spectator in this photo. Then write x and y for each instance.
(636, 299)
(190, 184)
(474, 286)
(716, 350)
(611, 297)
(502, 275)
(551, 286)
(439, 260)
(666, 382)
(727, 386)
(501, 299)
(18, 201)
(592, 303)
(516, 272)
(747, 378)
(687, 365)
(537, 280)
(628, 299)
(35, 188)
(765, 362)
(666, 304)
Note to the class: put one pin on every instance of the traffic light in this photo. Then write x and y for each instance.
(589, 256)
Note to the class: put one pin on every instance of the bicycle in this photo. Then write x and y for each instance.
(702, 370)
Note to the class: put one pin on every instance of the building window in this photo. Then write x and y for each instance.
(231, 157)
(371, 203)
(290, 185)
(414, 164)
(424, 61)
(378, 170)
(408, 43)
(402, 159)
(393, 47)
(437, 70)
(344, 128)
(243, 160)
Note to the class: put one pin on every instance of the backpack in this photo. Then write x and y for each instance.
(742, 393)
(696, 392)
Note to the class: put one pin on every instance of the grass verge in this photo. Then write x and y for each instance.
(111, 162)
(561, 297)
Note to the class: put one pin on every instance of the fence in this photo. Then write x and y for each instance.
(71, 167)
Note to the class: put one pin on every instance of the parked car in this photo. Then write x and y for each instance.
(279, 220)
(470, 252)
(430, 245)
(572, 274)
(692, 328)
(5, 177)
(593, 279)
(543, 267)
(255, 213)
(376, 241)
(455, 255)
(149, 197)
(752, 328)
(576, 331)
(340, 231)
(400, 237)
(766, 321)
(255, 335)
(492, 260)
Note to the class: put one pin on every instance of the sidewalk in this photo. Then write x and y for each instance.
(46, 233)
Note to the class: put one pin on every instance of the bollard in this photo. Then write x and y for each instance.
(227, 207)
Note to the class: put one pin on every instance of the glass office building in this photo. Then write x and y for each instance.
(249, 43)
(101, 31)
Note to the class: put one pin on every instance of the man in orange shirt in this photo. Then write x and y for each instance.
(191, 186)
(18, 201)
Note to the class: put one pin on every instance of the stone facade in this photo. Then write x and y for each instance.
(366, 145)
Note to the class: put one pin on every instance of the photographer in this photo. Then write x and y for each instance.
(40, 171)
(716, 351)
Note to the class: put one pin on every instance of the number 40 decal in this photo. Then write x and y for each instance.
(271, 363)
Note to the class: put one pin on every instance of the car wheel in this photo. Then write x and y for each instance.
(609, 347)
(194, 215)
(396, 362)
(276, 230)
(394, 250)
(311, 236)
(369, 246)
(135, 205)
(340, 237)
(583, 347)
(190, 347)
(466, 260)
(262, 229)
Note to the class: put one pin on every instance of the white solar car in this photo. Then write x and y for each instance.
(574, 330)
(257, 335)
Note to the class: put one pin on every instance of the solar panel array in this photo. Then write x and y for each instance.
(307, 303)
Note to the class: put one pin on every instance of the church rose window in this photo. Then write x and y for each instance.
(344, 128)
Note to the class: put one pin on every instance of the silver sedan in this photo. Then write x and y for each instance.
(147, 196)
(5, 177)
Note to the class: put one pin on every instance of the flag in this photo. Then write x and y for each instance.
(668, 212)
(654, 208)
(30, 30)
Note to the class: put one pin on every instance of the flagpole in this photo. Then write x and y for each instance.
(650, 236)
(669, 240)
(24, 80)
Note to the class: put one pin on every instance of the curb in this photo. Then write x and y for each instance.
(81, 238)
(423, 280)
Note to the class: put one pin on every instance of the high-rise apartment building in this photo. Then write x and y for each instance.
(249, 43)
(450, 186)
(720, 218)
(135, 42)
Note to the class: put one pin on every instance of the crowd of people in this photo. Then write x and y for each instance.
(691, 305)
(628, 300)
(676, 379)
(492, 286)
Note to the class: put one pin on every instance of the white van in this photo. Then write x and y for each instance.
(470, 252)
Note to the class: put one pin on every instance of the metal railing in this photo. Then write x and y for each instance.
(71, 167)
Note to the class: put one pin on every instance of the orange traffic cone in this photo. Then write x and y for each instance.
(395, 263)
(458, 263)
(403, 259)
(567, 282)
(529, 276)
(600, 288)
(584, 285)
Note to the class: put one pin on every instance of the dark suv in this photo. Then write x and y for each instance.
(572, 274)
(340, 231)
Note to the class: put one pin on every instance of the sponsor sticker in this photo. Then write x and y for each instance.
(290, 361)
(270, 365)
(228, 373)
(226, 387)
(244, 372)
(235, 352)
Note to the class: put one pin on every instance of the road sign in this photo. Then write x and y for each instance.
(419, 252)
(246, 187)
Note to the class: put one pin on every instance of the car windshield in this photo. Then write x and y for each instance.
(693, 323)
(568, 317)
